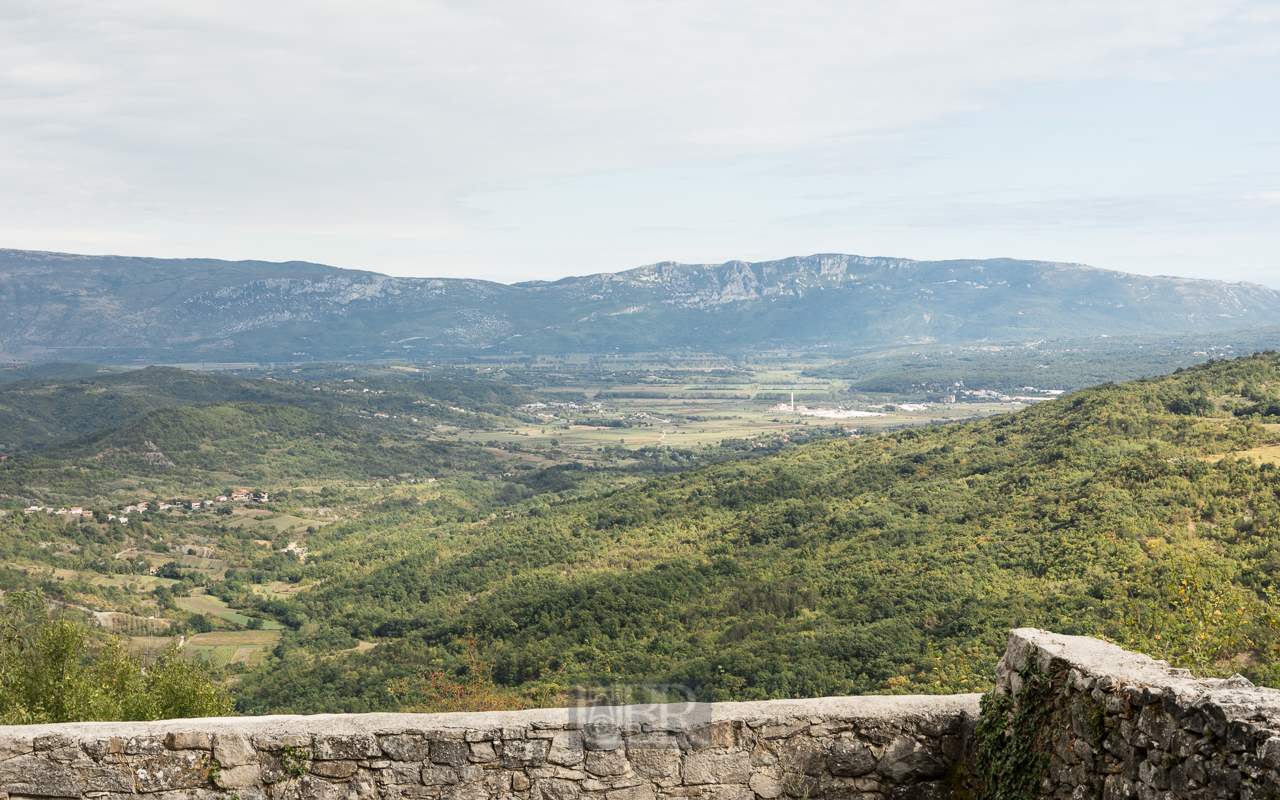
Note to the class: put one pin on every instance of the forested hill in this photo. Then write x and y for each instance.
(1146, 511)
(114, 309)
(39, 411)
(211, 448)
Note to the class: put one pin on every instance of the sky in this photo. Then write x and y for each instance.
(517, 141)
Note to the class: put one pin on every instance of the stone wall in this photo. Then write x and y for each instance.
(1071, 718)
(869, 748)
(1113, 724)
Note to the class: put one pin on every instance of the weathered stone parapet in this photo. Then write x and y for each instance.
(1117, 724)
(895, 748)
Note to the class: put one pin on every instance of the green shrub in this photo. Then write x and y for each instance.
(54, 669)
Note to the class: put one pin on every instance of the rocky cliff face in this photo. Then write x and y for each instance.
(58, 306)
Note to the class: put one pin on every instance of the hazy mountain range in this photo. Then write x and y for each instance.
(113, 309)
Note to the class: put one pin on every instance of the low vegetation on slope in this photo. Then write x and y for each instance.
(892, 563)
(47, 409)
(55, 668)
(220, 444)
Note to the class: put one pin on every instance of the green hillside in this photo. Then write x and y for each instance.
(53, 371)
(216, 445)
(1072, 363)
(840, 567)
(36, 412)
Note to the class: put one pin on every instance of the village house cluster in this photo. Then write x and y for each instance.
(238, 496)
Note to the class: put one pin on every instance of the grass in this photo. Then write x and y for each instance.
(235, 639)
(1267, 454)
(221, 648)
(263, 520)
(277, 590)
(212, 606)
(741, 419)
(213, 656)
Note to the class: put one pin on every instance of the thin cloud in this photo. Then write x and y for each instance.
(281, 130)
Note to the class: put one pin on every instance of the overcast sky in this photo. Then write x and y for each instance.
(513, 141)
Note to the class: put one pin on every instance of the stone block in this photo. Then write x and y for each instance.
(483, 753)
(907, 759)
(766, 784)
(65, 754)
(826, 729)
(520, 782)
(708, 768)
(850, 758)
(275, 742)
(465, 791)
(404, 747)
(567, 748)
(497, 781)
(349, 747)
(783, 731)
(411, 793)
(602, 737)
(1152, 775)
(654, 755)
(188, 740)
(607, 762)
(554, 789)
(525, 753)
(233, 750)
(362, 787)
(803, 755)
(97, 749)
(1118, 787)
(935, 725)
(439, 776)
(642, 792)
(53, 741)
(240, 777)
(144, 746)
(310, 787)
(34, 775)
(452, 753)
(935, 790)
(180, 770)
(12, 748)
(731, 733)
(727, 793)
(398, 772)
(1239, 736)
(334, 770)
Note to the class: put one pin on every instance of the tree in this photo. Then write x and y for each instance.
(53, 668)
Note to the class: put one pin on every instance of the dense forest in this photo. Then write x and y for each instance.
(881, 564)
(803, 563)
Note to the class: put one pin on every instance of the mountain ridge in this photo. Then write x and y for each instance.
(118, 308)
